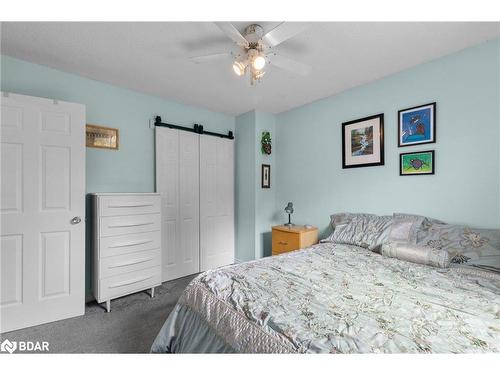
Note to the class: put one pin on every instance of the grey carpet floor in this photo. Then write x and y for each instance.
(130, 327)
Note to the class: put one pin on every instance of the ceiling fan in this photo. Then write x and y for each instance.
(255, 50)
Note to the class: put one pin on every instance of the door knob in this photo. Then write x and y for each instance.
(75, 220)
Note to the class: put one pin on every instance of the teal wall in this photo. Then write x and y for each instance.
(498, 112)
(245, 189)
(306, 159)
(264, 198)
(131, 168)
(466, 186)
(254, 205)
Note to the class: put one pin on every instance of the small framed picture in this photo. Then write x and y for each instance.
(102, 137)
(266, 176)
(363, 142)
(417, 125)
(416, 163)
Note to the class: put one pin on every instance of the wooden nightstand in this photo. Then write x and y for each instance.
(292, 238)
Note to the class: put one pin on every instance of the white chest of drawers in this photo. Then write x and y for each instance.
(126, 244)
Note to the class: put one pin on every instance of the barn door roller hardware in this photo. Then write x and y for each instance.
(198, 129)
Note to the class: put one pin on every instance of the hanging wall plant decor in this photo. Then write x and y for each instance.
(266, 143)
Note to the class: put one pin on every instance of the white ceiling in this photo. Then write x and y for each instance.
(152, 57)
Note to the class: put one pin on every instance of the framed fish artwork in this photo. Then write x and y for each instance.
(363, 142)
(416, 163)
(417, 125)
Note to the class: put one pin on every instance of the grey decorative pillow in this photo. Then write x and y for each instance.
(419, 229)
(364, 230)
(340, 220)
(426, 221)
(404, 228)
(343, 218)
(416, 254)
(471, 248)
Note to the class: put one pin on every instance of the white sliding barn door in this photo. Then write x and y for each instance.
(177, 180)
(42, 262)
(216, 202)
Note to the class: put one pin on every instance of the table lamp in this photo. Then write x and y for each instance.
(289, 211)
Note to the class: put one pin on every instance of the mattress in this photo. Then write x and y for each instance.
(333, 298)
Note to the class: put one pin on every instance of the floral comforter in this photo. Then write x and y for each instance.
(334, 298)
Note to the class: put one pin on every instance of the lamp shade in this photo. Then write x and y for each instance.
(289, 208)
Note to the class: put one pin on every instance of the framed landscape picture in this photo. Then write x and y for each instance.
(417, 125)
(416, 163)
(363, 142)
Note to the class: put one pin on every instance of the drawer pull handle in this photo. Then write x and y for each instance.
(130, 205)
(130, 244)
(128, 282)
(130, 225)
(129, 263)
(283, 243)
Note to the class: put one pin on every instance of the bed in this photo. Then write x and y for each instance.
(334, 298)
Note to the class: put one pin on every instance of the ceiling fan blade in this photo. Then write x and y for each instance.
(232, 33)
(289, 64)
(208, 58)
(282, 32)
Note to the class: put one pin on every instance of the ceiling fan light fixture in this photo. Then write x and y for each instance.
(256, 76)
(239, 68)
(255, 50)
(259, 62)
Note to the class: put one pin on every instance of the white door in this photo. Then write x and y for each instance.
(216, 202)
(177, 180)
(42, 260)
